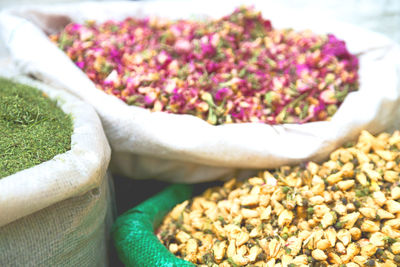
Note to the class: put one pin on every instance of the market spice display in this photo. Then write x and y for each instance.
(344, 212)
(234, 69)
(32, 128)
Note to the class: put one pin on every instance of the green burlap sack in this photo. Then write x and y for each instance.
(133, 232)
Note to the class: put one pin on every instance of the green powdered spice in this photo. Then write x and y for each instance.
(33, 129)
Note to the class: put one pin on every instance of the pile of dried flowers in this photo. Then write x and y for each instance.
(234, 69)
(344, 212)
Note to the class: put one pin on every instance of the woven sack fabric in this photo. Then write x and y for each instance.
(133, 232)
(184, 148)
(59, 212)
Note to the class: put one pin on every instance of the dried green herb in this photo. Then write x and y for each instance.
(32, 128)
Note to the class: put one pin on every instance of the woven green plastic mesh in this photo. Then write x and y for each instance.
(133, 232)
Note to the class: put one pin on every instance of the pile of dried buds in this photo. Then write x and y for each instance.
(345, 212)
(234, 69)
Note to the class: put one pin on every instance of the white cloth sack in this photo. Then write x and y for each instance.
(185, 148)
(59, 213)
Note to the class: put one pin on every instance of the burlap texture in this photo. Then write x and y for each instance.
(58, 213)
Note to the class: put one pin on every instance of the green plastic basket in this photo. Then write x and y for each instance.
(133, 231)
